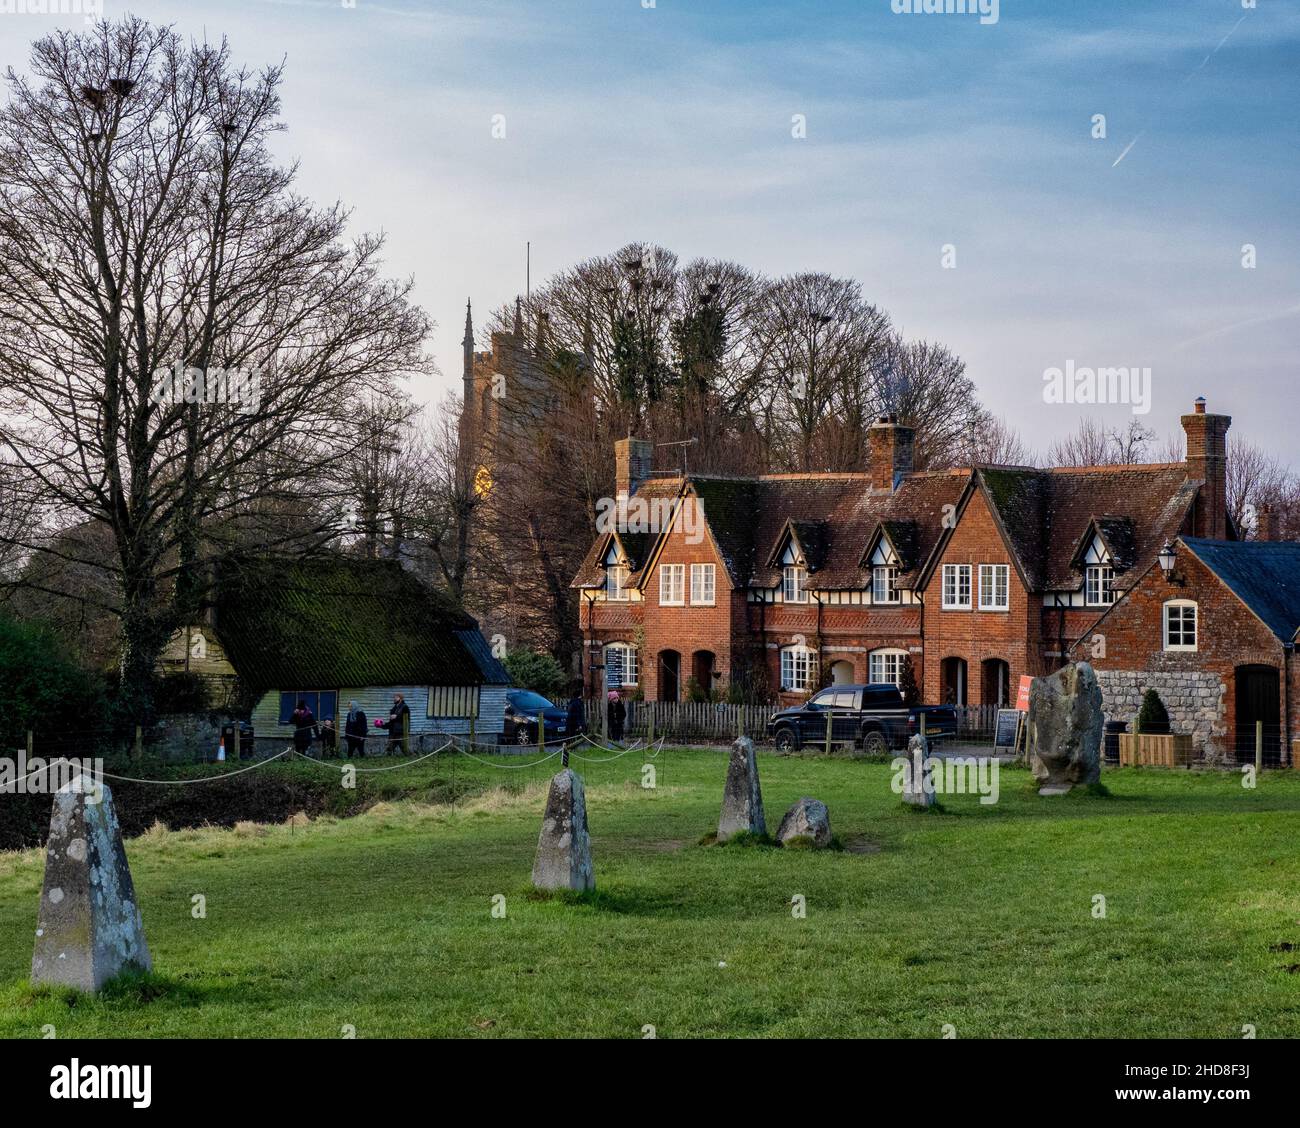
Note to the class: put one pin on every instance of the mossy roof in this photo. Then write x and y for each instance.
(332, 621)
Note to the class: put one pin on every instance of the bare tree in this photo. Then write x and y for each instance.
(993, 442)
(1092, 444)
(149, 231)
(1255, 478)
(925, 385)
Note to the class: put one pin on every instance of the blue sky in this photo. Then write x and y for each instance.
(673, 124)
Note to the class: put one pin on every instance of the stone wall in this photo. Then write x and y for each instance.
(187, 738)
(1194, 700)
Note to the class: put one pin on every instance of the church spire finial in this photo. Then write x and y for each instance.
(519, 316)
(468, 344)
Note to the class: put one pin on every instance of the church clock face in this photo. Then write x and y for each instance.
(482, 481)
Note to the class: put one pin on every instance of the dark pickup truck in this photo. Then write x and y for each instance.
(872, 717)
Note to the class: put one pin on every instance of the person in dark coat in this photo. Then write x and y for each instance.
(329, 739)
(304, 727)
(354, 730)
(615, 715)
(576, 722)
(398, 726)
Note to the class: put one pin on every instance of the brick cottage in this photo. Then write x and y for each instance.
(781, 583)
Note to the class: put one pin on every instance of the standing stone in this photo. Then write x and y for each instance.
(88, 929)
(1065, 728)
(564, 846)
(916, 780)
(742, 798)
(808, 818)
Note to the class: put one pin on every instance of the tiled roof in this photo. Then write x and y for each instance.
(331, 621)
(1044, 514)
(1264, 575)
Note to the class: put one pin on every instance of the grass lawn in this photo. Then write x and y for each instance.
(978, 916)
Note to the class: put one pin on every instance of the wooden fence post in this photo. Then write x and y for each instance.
(829, 716)
(1259, 746)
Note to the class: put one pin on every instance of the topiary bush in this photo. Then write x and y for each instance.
(1153, 717)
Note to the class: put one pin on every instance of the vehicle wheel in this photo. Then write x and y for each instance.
(521, 737)
(786, 741)
(874, 744)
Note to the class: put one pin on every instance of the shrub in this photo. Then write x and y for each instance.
(540, 672)
(1153, 717)
(41, 690)
(907, 683)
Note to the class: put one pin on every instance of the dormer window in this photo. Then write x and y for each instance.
(794, 583)
(884, 581)
(1099, 585)
(616, 582)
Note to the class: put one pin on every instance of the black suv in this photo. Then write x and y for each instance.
(871, 717)
(523, 710)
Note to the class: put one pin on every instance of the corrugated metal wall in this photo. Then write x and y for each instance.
(376, 701)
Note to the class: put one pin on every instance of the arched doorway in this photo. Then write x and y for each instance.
(702, 670)
(995, 680)
(1257, 699)
(669, 674)
(952, 675)
(842, 672)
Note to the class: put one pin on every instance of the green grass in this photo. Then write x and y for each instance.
(978, 916)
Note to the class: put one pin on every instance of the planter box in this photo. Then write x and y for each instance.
(1154, 750)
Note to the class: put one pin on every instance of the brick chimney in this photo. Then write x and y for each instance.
(891, 452)
(1207, 460)
(633, 459)
(1265, 522)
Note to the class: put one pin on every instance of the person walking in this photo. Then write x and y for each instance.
(354, 730)
(616, 715)
(304, 727)
(576, 720)
(398, 726)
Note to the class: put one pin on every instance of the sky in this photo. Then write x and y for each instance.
(949, 163)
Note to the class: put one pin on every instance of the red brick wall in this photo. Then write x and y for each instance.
(1013, 635)
(1228, 635)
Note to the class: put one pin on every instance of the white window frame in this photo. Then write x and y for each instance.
(797, 664)
(672, 577)
(995, 581)
(887, 573)
(957, 572)
(629, 663)
(699, 574)
(1104, 588)
(616, 576)
(1182, 606)
(794, 579)
(884, 654)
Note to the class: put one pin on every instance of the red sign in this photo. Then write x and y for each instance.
(1022, 695)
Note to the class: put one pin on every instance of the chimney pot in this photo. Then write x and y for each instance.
(1200, 405)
